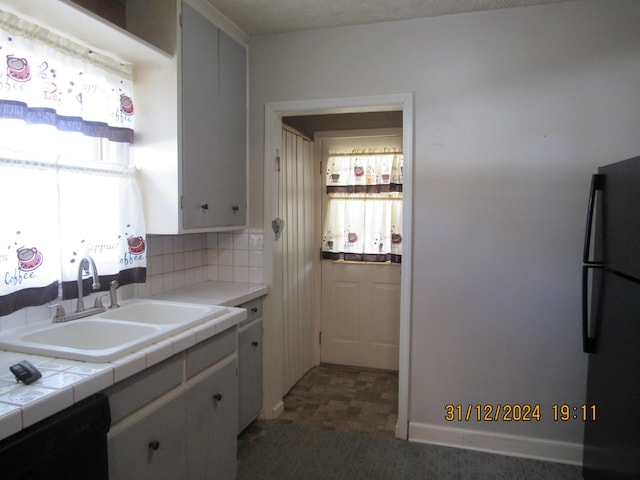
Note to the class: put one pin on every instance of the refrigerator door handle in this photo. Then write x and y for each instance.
(588, 341)
(597, 184)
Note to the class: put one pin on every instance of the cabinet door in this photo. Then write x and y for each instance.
(212, 425)
(232, 162)
(151, 448)
(249, 374)
(213, 113)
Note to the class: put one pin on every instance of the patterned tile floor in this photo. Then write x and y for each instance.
(338, 398)
(332, 403)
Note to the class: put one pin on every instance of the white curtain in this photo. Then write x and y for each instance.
(360, 173)
(363, 220)
(101, 216)
(58, 215)
(364, 228)
(66, 117)
(30, 251)
(50, 80)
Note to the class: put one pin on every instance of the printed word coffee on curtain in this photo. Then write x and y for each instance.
(49, 80)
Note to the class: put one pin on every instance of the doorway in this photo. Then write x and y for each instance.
(274, 348)
(360, 300)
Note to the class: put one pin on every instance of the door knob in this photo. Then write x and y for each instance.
(154, 444)
(217, 397)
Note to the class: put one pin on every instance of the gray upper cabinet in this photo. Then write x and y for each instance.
(213, 125)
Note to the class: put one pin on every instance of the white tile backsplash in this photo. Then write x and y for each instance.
(256, 240)
(241, 241)
(241, 258)
(241, 274)
(256, 259)
(212, 240)
(225, 273)
(177, 261)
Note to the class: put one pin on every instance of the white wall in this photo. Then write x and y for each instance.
(514, 109)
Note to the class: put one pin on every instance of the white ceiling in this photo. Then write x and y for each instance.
(258, 17)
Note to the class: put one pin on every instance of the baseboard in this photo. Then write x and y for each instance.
(513, 445)
(275, 411)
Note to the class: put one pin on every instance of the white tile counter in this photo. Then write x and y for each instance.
(65, 382)
(228, 294)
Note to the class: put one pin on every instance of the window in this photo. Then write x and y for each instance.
(363, 220)
(67, 119)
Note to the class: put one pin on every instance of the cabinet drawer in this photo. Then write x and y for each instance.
(254, 310)
(129, 395)
(211, 351)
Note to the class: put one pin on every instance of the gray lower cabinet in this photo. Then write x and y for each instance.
(211, 425)
(152, 446)
(178, 420)
(250, 373)
(250, 351)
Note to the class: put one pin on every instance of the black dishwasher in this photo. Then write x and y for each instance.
(69, 445)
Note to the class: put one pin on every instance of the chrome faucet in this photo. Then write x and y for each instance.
(61, 315)
(94, 273)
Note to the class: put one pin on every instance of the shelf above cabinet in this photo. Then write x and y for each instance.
(79, 24)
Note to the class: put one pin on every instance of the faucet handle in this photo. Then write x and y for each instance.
(113, 294)
(60, 313)
(98, 301)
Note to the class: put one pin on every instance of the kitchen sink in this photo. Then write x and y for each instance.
(90, 334)
(162, 313)
(112, 334)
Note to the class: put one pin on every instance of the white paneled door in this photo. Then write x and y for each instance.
(298, 204)
(360, 314)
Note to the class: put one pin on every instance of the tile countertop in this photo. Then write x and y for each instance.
(228, 294)
(65, 382)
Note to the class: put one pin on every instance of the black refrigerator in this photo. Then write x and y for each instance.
(611, 324)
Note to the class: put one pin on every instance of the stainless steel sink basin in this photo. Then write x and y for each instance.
(112, 334)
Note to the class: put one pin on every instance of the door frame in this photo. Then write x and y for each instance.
(274, 111)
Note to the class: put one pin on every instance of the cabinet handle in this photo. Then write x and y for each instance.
(204, 206)
(235, 208)
(254, 309)
(217, 397)
(254, 344)
(154, 444)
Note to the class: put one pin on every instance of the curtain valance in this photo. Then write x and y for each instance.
(50, 80)
(366, 173)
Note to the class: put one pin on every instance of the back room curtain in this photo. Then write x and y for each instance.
(363, 220)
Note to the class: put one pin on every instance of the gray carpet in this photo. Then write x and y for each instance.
(288, 452)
